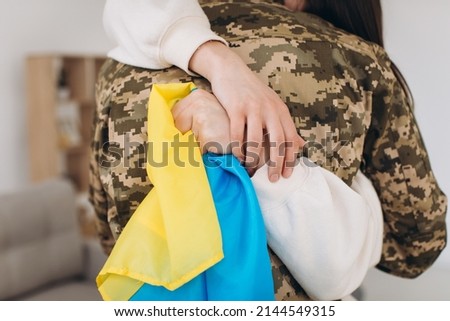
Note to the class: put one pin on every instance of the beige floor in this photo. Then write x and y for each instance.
(433, 285)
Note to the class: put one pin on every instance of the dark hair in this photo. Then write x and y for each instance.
(359, 17)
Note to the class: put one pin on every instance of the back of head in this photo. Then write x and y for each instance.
(360, 17)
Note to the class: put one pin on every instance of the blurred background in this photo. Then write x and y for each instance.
(50, 53)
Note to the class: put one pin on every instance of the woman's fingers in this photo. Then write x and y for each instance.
(242, 134)
(293, 144)
(237, 128)
(292, 149)
(276, 153)
(253, 144)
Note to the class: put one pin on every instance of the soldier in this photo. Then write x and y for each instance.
(345, 100)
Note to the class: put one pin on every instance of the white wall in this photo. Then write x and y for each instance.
(417, 37)
(29, 26)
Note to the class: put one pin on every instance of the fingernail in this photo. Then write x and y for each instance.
(274, 178)
(287, 172)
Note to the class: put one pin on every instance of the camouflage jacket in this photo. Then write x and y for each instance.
(344, 100)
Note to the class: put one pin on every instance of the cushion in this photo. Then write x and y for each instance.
(40, 241)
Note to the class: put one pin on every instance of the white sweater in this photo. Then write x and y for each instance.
(156, 34)
(326, 233)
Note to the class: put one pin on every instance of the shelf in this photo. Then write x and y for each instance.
(47, 158)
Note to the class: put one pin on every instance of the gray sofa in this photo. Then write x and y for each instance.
(42, 253)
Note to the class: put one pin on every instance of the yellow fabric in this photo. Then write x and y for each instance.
(174, 234)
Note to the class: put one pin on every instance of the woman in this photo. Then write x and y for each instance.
(346, 102)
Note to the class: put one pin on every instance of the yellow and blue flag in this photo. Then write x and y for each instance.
(199, 233)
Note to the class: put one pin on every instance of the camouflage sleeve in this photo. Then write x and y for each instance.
(97, 194)
(396, 161)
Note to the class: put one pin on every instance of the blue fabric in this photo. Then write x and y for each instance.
(245, 272)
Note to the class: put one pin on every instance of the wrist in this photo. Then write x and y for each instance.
(210, 58)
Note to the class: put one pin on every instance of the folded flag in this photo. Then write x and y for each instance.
(173, 246)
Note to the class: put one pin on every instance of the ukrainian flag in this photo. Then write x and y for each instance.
(199, 233)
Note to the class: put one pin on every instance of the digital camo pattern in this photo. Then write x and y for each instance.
(344, 99)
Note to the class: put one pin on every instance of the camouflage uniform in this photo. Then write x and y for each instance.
(344, 100)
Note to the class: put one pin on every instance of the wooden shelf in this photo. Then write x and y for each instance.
(47, 158)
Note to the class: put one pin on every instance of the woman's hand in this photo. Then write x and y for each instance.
(202, 113)
(252, 107)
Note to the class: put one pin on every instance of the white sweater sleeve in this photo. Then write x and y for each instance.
(327, 234)
(156, 34)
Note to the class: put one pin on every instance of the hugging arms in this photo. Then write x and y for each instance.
(343, 98)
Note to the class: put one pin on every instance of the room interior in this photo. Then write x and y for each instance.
(51, 53)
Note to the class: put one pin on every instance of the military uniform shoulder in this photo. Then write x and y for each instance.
(325, 31)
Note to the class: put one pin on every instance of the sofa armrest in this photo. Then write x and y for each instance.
(40, 243)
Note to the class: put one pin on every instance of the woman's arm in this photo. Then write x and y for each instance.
(253, 108)
(157, 34)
